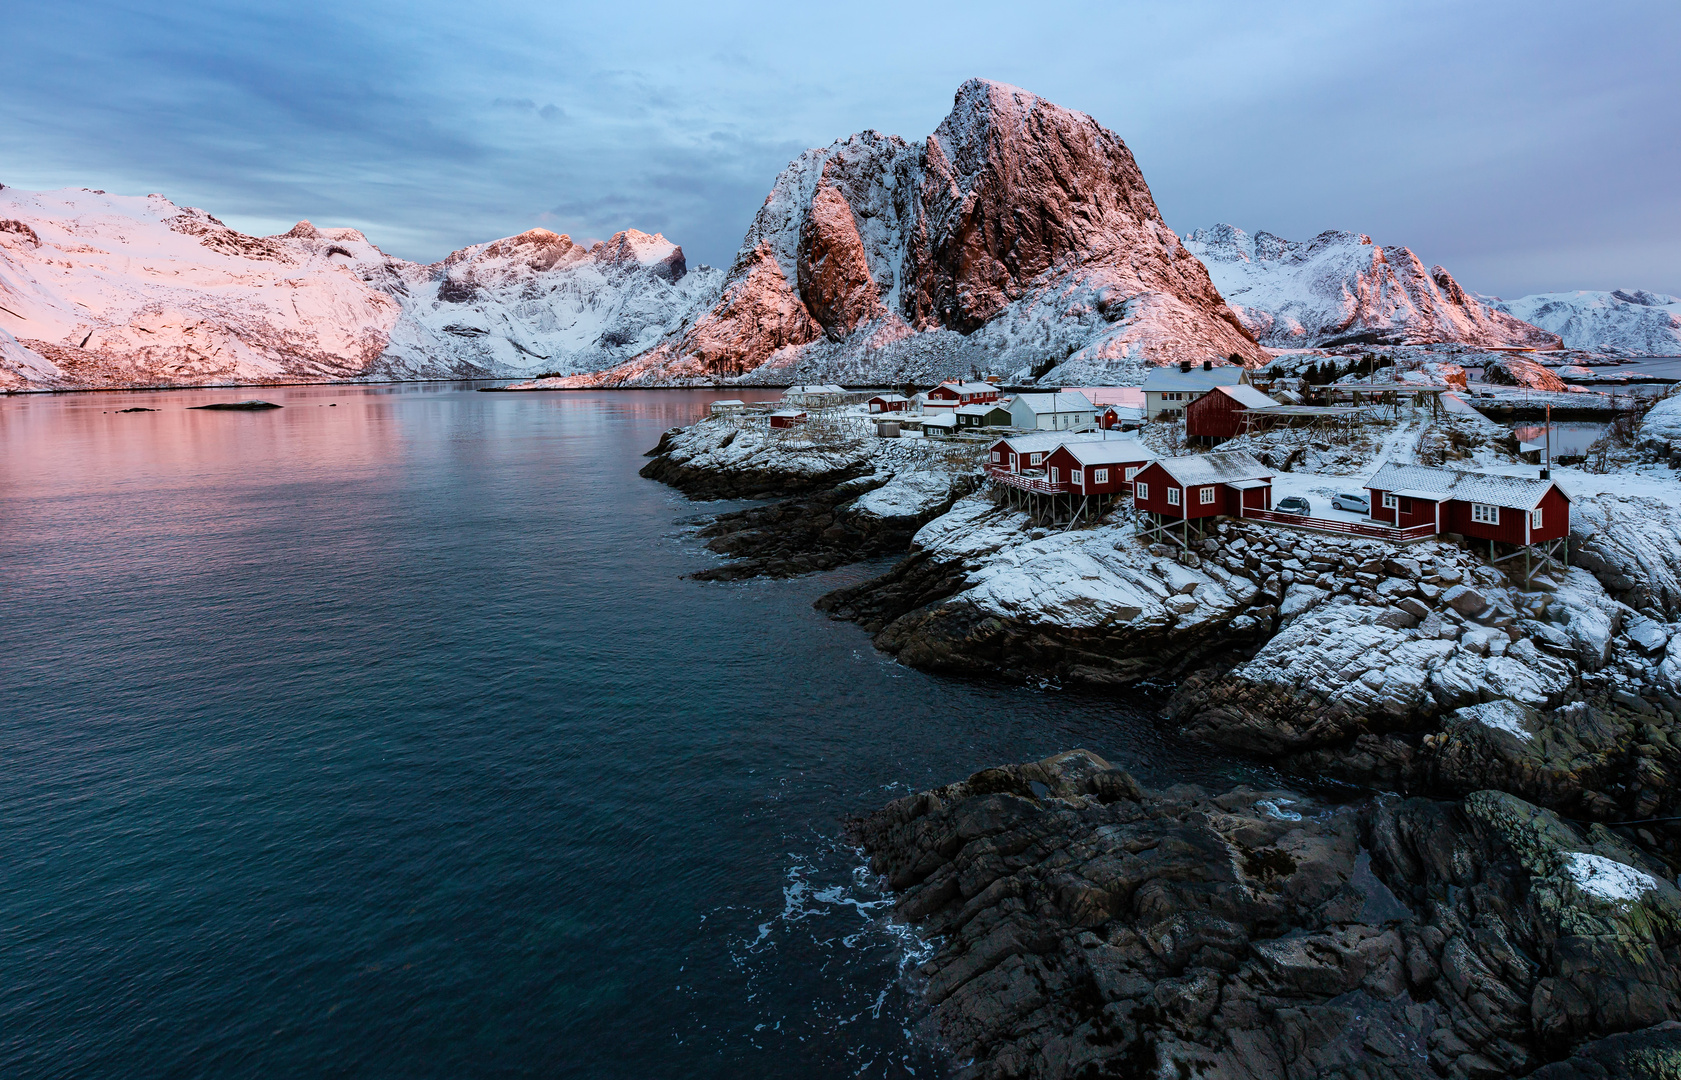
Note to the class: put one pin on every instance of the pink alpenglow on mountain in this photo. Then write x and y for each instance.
(105, 290)
(1340, 288)
(1020, 236)
(99, 290)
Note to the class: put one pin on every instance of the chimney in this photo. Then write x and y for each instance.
(1546, 474)
(1184, 365)
(1208, 365)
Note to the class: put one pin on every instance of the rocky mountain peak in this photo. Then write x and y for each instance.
(633, 249)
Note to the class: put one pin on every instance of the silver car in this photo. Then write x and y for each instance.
(1350, 501)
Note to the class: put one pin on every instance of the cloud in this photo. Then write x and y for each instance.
(1518, 145)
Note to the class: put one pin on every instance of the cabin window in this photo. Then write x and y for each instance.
(1390, 502)
(1143, 490)
(1207, 496)
(1173, 496)
(1484, 514)
(996, 456)
(1078, 476)
(1535, 518)
(1132, 471)
(1036, 459)
(1101, 476)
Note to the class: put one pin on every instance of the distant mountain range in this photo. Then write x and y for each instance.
(1019, 239)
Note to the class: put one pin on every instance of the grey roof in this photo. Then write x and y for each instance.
(1220, 468)
(1040, 441)
(1170, 377)
(889, 397)
(1515, 492)
(1109, 451)
(1060, 402)
(970, 387)
(1247, 396)
(981, 408)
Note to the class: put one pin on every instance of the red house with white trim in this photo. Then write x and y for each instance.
(1518, 510)
(1097, 467)
(1202, 486)
(951, 394)
(889, 403)
(1019, 453)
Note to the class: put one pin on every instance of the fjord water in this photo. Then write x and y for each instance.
(381, 735)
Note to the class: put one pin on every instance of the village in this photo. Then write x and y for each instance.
(1181, 453)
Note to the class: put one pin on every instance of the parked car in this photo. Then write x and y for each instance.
(1349, 501)
(1292, 504)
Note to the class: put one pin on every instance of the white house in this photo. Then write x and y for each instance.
(818, 394)
(1062, 411)
(1168, 389)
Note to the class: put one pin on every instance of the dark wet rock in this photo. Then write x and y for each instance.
(137, 408)
(239, 406)
(1087, 928)
(1651, 1054)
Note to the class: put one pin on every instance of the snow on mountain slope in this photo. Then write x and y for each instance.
(116, 290)
(101, 290)
(1019, 237)
(1341, 288)
(1633, 322)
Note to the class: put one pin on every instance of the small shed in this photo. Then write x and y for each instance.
(888, 403)
(728, 407)
(939, 424)
(991, 414)
(1219, 414)
(787, 418)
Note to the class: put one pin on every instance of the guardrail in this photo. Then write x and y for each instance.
(1027, 483)
(1352, 528)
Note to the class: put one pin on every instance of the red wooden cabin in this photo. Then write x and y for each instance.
(787, 418)
(949, 395)
(1019, 453)
(1517, 510)
(1097, 467)
(889, 403)
(1202, 486)
(1220, 414)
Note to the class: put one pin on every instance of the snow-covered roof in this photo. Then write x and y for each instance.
(889, 397)
(788, 412)
(1060, 402)
(1247, 396)
(1041, 441)
(1424, 482)
(1108, 451)
(1220, 468)
(728, 401)
(1170, 377)
(981, 409)
(970, 387)
(940, 420)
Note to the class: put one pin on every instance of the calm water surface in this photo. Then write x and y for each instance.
(381, 736)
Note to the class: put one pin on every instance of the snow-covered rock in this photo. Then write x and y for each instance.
(1632, 544)
(1629, 321)
(102, 290)
(1516, 371)
(1021, 229)
(1340, 287)
(1660, 428)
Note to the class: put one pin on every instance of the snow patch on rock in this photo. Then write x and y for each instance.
(1607, 879)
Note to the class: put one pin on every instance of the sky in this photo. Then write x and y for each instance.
(1529, 147)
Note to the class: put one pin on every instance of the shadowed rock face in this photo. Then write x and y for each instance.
(1088, 928)
(1016, 214)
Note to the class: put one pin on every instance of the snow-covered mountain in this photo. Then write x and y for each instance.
(1634, 322)
(100, 290)
(1020, 237)
(1340, 288)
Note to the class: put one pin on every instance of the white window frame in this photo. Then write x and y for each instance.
(1036, 459)
(1132, 471)
(1055, 472)
(1206, 497)
(1173, 496)
(997, 456)
(1143, 490)
(1535, 518)
(1101, 476)
(1391, 501)
(1485, 513)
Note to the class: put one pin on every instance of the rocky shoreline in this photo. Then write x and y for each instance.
(1084, 927)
